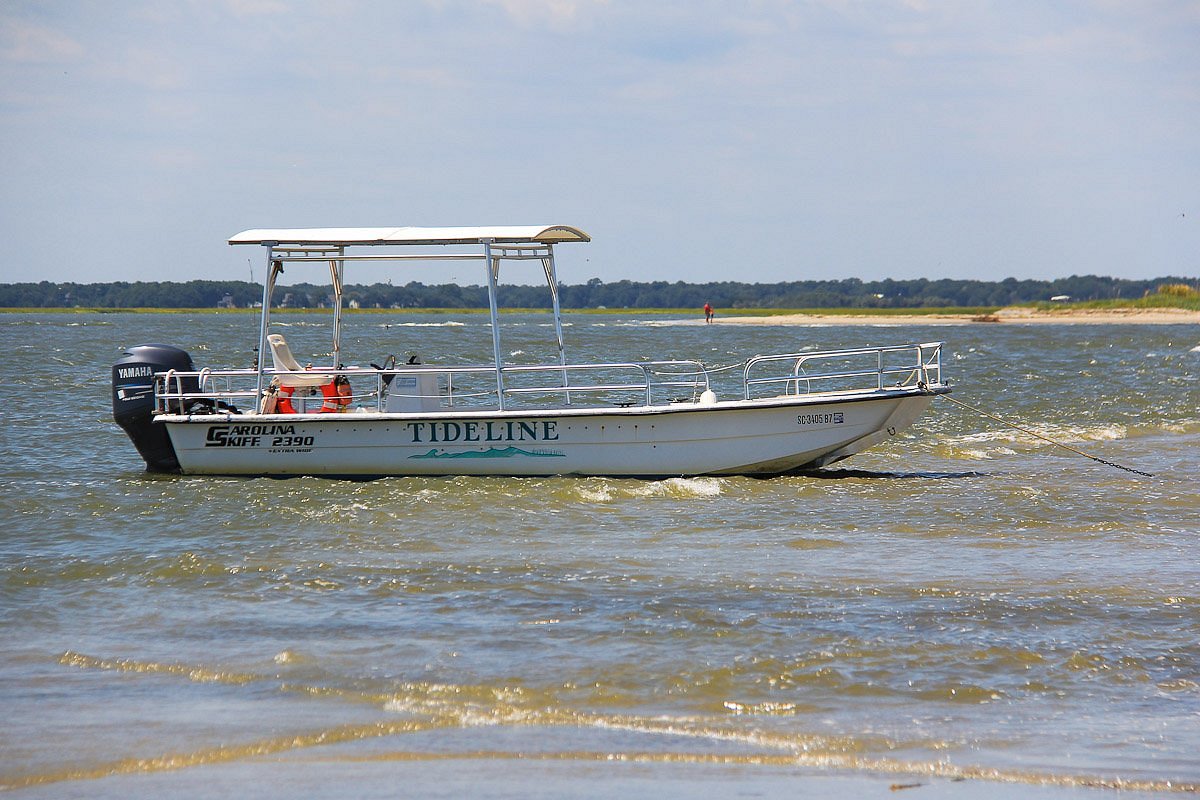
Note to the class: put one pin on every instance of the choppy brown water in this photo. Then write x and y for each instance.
(968, 602)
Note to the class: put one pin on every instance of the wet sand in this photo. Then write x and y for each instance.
(536, 778)
(1020, 316)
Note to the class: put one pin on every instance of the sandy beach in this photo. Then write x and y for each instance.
(1019, 316)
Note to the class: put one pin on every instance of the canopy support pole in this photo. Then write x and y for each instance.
(273, 269)
(493, 271)
(336, 268)
(552, 281)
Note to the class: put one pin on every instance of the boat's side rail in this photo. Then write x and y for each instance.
(427, 388)
(616, 383)
(866, 368)
(650, 382)
(430, 388)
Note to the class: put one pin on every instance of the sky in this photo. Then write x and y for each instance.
(695, 140)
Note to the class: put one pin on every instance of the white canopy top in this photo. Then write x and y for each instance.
(336, 237)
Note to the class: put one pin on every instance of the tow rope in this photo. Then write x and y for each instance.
(981, 412)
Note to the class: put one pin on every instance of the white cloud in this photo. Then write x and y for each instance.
(552, 14)
(30, 43)
(150, 68)
(255, 8)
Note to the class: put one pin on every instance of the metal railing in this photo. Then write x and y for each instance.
(429, 388)
(450, 387)
(861, 369)
(666, 378)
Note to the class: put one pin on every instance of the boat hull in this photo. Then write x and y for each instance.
(760, 437)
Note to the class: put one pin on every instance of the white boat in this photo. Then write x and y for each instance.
(792, 411)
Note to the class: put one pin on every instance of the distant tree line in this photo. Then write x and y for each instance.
(846, 293)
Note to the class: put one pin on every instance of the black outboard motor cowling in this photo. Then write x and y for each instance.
(133, 400)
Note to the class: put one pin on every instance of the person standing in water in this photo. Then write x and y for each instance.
(708, 313)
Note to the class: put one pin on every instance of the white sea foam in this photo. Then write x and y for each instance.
(761, 709)
(1059, 433)
(683, 487)
(663, 323)
(606, 492)
(601, 494)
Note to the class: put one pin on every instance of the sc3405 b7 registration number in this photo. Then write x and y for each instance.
(828, 418)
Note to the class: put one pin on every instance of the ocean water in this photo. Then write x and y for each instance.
(967, 603)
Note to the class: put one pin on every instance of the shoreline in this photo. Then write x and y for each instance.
(1005, 316)
(830, 317)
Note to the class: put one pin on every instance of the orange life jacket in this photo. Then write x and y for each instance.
(283, 404)
(337, 396)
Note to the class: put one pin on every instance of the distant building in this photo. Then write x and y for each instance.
(226, 302)
(1060, 298)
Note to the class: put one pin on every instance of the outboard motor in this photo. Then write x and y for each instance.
(133, 400)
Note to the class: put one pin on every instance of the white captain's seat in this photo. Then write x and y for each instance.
(284, 361)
